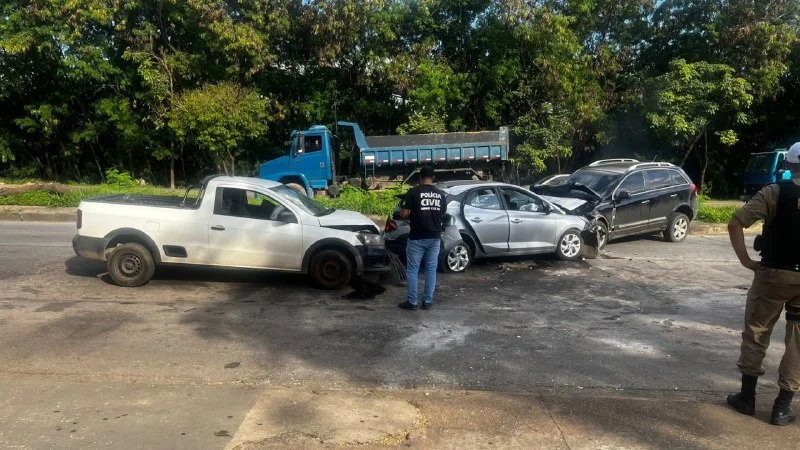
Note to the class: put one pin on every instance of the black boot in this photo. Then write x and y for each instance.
(745, 401)
(782, 412)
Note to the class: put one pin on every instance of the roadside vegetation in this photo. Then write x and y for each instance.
(380, 203)
(173, 91)
(69, 196)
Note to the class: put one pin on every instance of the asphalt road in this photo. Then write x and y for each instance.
(647, 318)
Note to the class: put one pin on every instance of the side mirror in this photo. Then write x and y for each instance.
(286, 216)
(546, 208)
(301, 145)
(623, 195)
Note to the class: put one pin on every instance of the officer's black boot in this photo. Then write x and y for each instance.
(745, 401)
(782, 412)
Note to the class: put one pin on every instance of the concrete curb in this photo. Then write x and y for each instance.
(37, 214)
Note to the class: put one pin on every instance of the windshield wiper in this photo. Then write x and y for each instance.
(327, 212)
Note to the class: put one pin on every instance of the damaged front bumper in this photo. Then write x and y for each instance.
(591, 239)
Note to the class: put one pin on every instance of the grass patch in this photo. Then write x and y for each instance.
(73, 197)
(715, 214)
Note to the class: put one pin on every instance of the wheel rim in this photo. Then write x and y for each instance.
(602, 236)
(680, 228)
(331, 270)
(130, 265)
(458, 258)
(570, 245)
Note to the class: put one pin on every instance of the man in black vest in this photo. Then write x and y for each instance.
(776, 286)
(425, 206)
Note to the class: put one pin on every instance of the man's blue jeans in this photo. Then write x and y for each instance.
(422, 251)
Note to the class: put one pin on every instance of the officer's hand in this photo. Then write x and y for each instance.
(755, 266)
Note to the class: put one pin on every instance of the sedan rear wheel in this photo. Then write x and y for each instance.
(458, 258)
(570, 245)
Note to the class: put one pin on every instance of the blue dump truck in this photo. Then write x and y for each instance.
(763, 169)
(319, 160)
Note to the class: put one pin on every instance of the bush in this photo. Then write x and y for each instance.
(380, 203)
(715, 214)
(120, 179)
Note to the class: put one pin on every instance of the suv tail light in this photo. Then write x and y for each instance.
(391, 225)
(694, 187)
(80, 219)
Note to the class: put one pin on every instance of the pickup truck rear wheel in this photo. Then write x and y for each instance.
(131, 265)
(331, 269)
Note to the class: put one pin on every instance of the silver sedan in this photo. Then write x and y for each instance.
(498, 219)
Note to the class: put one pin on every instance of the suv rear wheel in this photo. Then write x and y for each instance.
(677, 228)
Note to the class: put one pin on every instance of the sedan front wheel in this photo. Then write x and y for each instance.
(570, 245)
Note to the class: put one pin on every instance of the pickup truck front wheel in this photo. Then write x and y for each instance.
(331, 269)
(131, 265)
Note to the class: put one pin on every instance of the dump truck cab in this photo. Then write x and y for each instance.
(310, 162)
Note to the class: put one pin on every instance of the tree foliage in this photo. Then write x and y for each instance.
(89, 85)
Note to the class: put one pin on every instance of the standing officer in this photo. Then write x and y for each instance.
(776, 285)
(425, 205)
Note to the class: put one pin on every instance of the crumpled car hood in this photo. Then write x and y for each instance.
(569, 204)
(348, 220)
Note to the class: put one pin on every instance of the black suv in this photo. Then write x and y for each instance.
(628, 197)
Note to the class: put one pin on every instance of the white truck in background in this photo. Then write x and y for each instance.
(233, 222)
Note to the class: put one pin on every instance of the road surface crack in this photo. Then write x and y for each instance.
(553, 419)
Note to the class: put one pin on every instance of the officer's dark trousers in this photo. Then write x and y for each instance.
(772, 291)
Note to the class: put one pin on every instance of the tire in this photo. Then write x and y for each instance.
(457, 260)
(331, 270)
(131, 265)
(569, 245)
(677, 228)
(602, 239)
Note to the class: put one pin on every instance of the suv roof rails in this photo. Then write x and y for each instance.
(613, 161)
(650, 164)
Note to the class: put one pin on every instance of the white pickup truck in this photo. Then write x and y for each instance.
(232, 222)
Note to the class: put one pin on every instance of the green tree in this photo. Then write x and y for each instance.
(219, 119)
(694, 99)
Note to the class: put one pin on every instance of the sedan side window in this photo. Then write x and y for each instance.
(484, 198)
(634, 184)
(250, 204)
(520, 201)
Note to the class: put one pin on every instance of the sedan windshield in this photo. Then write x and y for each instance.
(301, 201)
(598, 181)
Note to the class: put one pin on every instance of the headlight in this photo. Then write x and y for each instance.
(371, 239)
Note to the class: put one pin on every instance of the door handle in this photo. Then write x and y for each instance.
(218, 228)
(516, 220)
(646, 202)
(476, 219)
(674, 195)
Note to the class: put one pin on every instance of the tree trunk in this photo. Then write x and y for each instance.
(97, 162)
(705, 165)
(172, 173)
(48, 168)
(233, 166)
(183, 166)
